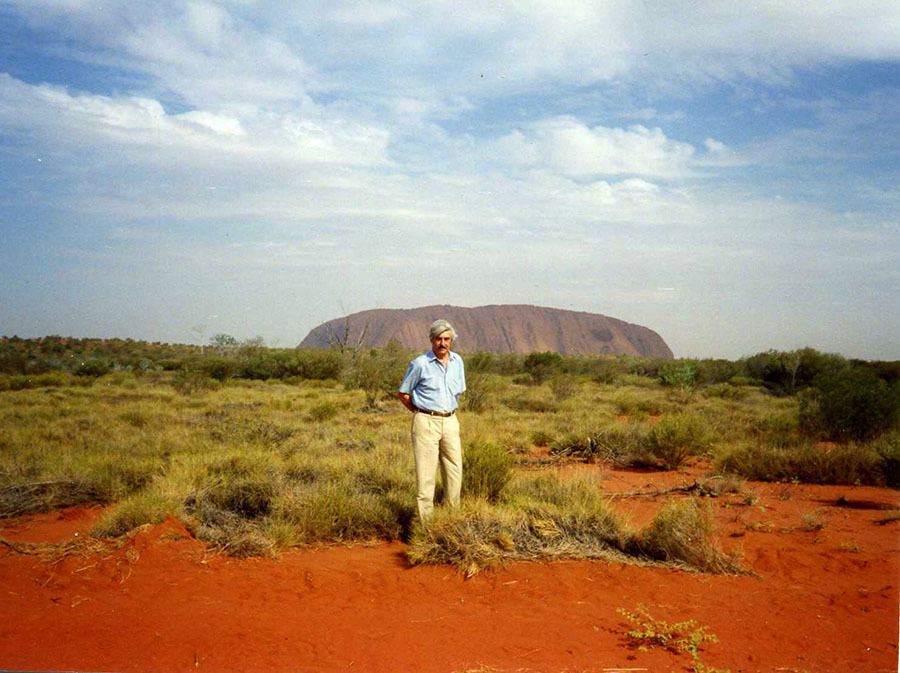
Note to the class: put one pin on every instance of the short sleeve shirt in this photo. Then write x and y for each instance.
(433, 386)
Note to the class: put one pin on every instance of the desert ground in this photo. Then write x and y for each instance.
(820, 595)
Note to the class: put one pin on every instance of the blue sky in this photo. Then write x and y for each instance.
(727, 177)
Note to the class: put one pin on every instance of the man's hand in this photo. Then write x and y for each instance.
(406, 400)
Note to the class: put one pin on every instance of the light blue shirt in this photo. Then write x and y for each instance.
(432, 386)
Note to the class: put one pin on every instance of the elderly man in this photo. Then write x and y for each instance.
(430, 389)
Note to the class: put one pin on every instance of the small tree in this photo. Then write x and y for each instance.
(376, 371)
(850, 404)
(681, 374)
(224, 342)
(541, 366)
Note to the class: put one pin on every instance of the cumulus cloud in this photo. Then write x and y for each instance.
(571, 148)
(357, 135)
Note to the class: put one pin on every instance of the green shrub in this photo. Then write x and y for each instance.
(331, 511)
(217, 368)
(847, 464)
(682, 532)
(487, 469)
(629, 404)
(608, 370)
(541, 366)
(850, 404)
(136, 510)
(680, 637)
(323, 411)
(621, 446)
(316, 364)
(530, 405)
(93, 367)
(785, 373)
(480, 391)
(680, 374)
(677, 437)
(888, 449)
(563, 386)
(726, 391)
(711, 372)
(377, 372)
(776, 430)
(190, 382)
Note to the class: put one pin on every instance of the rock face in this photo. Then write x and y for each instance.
(503, 328)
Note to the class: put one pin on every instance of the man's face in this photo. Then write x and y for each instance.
(441, 343)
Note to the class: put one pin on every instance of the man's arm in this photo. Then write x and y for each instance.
(406, 400)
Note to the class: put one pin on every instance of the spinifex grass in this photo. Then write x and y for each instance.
(545, 517)
(255, 466)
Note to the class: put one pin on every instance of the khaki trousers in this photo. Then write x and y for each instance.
(435, 439)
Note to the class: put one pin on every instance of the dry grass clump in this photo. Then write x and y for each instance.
(726, 391)
(42, 496)
(259, 503)
(888, 449)
(546, 518)
(96, 480)
(682, 533)
(639, 405)
(812, 521)
(807, 463)
(665, 445)
(331, 512)
(134, 511)
(620, 446)
(677, 437)
(487, 470)
(476, 535)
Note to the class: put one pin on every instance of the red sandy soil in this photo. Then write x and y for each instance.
(820, 600)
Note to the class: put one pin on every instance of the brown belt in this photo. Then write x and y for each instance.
(442, 414)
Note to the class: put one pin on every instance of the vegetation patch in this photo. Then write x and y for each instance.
(665, 445)
(807, 463)
(685, 637)
(682, 533)
(545, 518)
(146, 507)
(259, 449)
(487, 470)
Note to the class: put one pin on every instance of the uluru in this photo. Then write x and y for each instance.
(504, 328)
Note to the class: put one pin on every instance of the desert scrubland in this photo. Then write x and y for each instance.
(244, 508)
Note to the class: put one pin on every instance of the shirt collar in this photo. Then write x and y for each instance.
(432, 357)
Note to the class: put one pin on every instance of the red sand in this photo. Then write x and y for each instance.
(823, 600)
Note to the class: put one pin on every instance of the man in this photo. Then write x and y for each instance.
(430, 389)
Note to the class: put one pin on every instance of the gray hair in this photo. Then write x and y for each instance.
(439, 327)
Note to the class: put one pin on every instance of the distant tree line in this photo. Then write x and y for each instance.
(780, 372)
(839, 398)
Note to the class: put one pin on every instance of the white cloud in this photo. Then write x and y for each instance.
(212, 53)
(220, 124)
(198, 51)
(63, 119)
(567, 146)
(363, 134)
